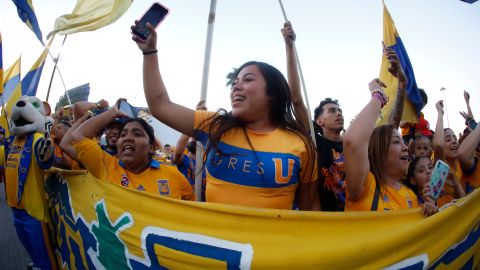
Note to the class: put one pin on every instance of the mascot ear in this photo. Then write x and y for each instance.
(48, 110)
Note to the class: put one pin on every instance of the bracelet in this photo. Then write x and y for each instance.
(380, 95)
(150, 52)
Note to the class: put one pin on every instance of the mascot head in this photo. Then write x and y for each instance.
(29, 115)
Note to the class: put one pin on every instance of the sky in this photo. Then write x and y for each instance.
(338, 43)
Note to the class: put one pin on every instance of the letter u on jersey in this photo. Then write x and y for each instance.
(279, 177)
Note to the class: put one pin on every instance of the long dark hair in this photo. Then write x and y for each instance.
(377, 151)
(282, 114)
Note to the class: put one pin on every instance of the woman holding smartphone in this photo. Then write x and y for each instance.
(244, 166)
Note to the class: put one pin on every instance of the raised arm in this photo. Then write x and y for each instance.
(174, 115)
(179, 149)
(466, 95)
(66, 143)
(356, 138)
(439, 136)
(467, 149)
(93, 126)
(397, 71)
(183, 140)
(293, 77)
(80, 108)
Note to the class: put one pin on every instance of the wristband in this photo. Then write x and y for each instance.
(150, 52)
(380, 95)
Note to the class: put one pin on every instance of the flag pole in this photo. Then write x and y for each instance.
(55, 60)
(203, 96)
(302, 80)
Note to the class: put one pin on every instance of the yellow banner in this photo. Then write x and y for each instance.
(104, 226)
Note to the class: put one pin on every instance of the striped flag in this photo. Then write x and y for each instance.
(32, 78)
(413, 103)
(11, 77)
(27, 15)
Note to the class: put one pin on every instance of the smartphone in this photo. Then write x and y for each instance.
(96, 112)
(154, 15)
(438, 178)
(127, 109)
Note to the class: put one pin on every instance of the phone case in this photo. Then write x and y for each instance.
(438, 178)
(127, 109)
(154, 15)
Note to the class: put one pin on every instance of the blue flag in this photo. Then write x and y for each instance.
(27, 15)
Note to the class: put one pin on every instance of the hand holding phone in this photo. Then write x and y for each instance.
(154, 15)
(438, 178)
(127, 109)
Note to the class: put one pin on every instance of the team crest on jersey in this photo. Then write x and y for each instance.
(141, 188)
(125, 182)
(163, 187)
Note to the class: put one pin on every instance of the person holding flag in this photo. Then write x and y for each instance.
(376, 159)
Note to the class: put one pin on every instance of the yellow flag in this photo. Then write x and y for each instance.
(89, 15)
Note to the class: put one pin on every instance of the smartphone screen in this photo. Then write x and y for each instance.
(126, 108)
(437, 180)
(154, 15)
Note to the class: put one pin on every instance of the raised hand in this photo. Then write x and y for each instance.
(201, 105)
(464, 114)
(466, 96)
(376, 89)
(148, 45)
(376, 84)
(288, 34)
(395, 68)
(439, 106)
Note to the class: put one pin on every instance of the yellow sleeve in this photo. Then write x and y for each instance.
(364, 203)
(200, 117)
(93, 158)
